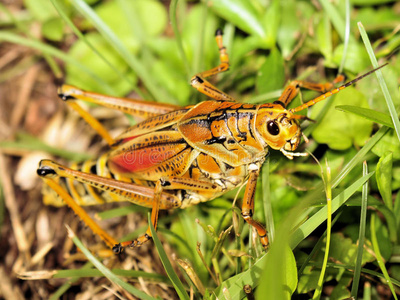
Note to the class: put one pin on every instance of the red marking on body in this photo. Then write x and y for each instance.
(142, 159)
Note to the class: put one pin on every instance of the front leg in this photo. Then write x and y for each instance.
(248, 207)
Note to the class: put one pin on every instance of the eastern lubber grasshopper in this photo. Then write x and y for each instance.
(181, 156)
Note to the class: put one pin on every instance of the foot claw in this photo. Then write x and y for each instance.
(117, 249)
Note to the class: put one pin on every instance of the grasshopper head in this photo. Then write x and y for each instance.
(278, 127)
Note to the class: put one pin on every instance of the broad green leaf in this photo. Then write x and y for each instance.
(369, 114)
(336, 160)
(339, 130)
(382, 83)
(282, 198)
(235, 283)
(53, 29)
(139, 67)
(271, 20)
(172, 82)
(42, 10)
(371, 89)
(82, 53)
(62, 12)
(286, 285)
(356, 58)
(378, 247)
(324, 37)
(309, 280)
(389, 215)
(202, 38)
(290, 28)
(340, 291)
(395, 271)
(241, 13)
(382, 236)
(320, 216)
(344, 251)
(151, 17)
(271, 74)
(384, 178)
(389, 142)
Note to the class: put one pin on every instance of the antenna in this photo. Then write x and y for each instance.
(332, 92)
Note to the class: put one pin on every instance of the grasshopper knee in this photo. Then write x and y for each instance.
(65, 92)
(46, 169)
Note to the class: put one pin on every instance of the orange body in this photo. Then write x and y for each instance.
(214, 143)
(177, 157)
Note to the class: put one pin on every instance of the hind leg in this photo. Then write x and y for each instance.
(49, 171)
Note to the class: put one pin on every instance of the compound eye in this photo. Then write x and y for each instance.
(272, 128)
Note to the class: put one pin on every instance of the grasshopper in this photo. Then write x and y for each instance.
(181, 156)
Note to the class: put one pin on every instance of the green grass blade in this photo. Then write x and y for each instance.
(327, 105)
(359, 156)
(387, 213)
(68, 21)
(369, 114)
(22, 27)
(179, 288)
(62, 289)
(320, 216)
(31, 143)
(384, 171)
(336, 19)
(361, 235)
(317, 246)
(346, 36)
(44, 48)
(328, 190)
(117, 44)
(379, 259)
(381, 80)
(121, 211)
(363, 270)
(178, 38)
(133, 20)
(253, 274)
(266, 97)
(269, 220)
(119, 272)
(106, 272)
(235, 283)
(177, 237)
(367, 291)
